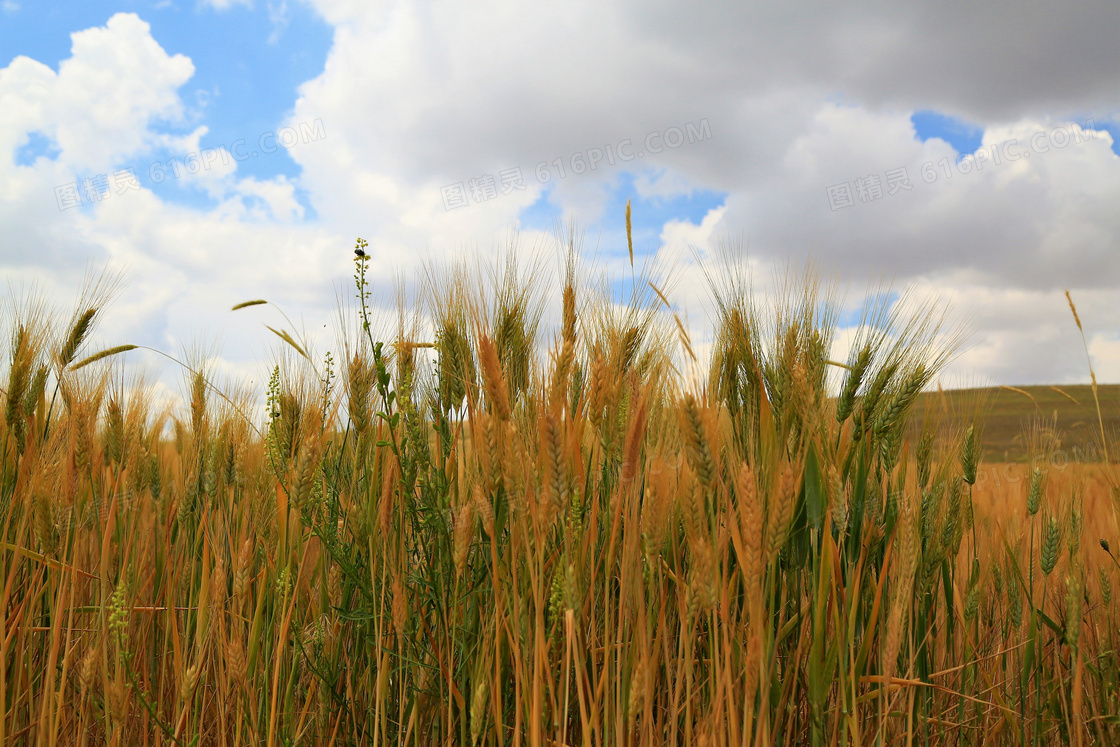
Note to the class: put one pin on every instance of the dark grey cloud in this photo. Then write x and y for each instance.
(988, 62)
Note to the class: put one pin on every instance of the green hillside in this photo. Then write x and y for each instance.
(1007, 412)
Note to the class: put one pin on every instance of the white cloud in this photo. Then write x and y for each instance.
(185, 266)
(221, 5)
(1105, 353)
(96, 115)
(278, 194)
(678, 233)
(417, 99)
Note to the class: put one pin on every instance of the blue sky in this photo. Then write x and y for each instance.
(648, 213)
(248, 64)
(965, 136)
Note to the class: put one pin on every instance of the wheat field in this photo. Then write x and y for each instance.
(503, 533)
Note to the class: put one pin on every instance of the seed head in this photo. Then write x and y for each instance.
(496, 391)
(972, 603)
(571, 588)
(783, 502)
(118, 701)
(359, 380)
(750, 521)
(901, 402)
(704, 589)
(78, 331)
(306, 474)
(637, 689)
(569, 318)
(235, 657)
(334, 585)
(478, 707)
(925, 457)
(968, 456)
(399, 606)
(635, 435)
(1051, 547)
(18, 378)
(218, 582)
(241, 573)
(88, 671)
(190, 680)
(1073, 609)
(1075, 522)
(852, 381)
(1034, 497)
(101, 355)
(692, 427)
(119, 610)
(485, 510)
(464, 535)
(35, 391)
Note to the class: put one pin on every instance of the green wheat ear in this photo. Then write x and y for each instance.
(969, 456)
(100, 355)
(1051, 547)
(247, 304)
(76, 336)
(1034, 497)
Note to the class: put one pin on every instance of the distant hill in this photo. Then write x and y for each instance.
(1007, 413)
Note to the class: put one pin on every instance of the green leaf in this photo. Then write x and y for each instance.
(1029, 653)
(1061, 631)
(950, 617)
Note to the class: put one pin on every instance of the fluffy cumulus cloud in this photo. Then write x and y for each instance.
(100, 106)
(420, 96)
(113, 102)
(97, 109)
(762, 106)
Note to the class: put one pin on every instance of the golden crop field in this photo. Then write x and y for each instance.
(457, 541)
